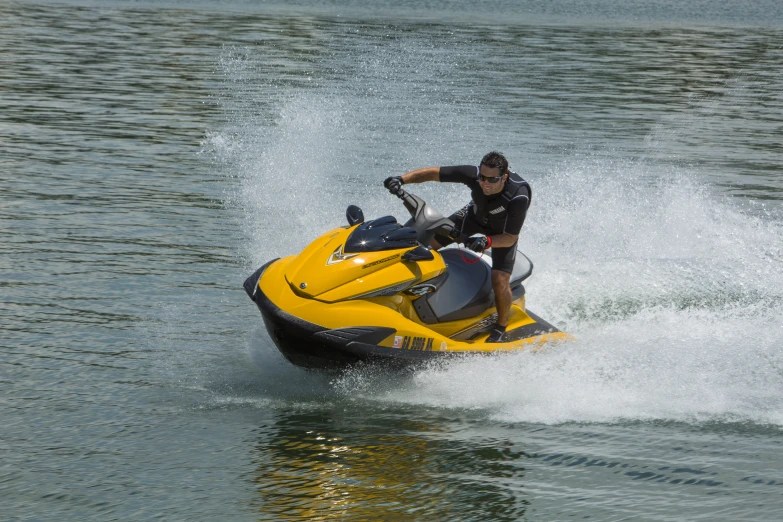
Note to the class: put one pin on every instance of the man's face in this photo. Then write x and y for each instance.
(489, 175)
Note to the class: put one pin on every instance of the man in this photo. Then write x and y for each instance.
(500, 200)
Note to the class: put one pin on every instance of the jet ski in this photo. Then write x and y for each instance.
(373, 291)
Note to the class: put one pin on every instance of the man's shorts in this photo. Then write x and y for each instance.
(502, 258)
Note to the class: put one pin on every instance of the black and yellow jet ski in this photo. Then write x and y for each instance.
(373, 291)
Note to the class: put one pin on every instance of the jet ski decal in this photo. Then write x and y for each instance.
(476, 329)
(385, 259)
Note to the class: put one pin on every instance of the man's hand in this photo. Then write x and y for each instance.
(393, 184)
(478, 243)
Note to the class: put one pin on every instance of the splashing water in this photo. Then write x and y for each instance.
(676, 299)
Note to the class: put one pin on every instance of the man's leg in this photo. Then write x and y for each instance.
(502, 289)
(502, 265)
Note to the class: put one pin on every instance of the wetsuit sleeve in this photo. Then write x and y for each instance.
(517, 210)
(465, 174)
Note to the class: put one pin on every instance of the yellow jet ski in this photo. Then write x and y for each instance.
(374, 291)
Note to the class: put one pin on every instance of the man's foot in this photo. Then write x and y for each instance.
(497, 334)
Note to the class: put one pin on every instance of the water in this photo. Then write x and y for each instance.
(154, 153)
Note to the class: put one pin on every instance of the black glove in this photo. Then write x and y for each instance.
(393, 184)
(478, 243)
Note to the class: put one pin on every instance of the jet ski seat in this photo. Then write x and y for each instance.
(465, 289)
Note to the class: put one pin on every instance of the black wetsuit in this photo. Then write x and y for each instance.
(490, 215)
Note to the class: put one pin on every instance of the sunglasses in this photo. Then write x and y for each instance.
(490, 179)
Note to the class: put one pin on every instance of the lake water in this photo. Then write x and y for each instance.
(154, 153)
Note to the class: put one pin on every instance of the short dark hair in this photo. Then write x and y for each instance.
(495, 160)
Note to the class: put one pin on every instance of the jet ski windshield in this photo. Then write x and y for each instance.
(380, 234)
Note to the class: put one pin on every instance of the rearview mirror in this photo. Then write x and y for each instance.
(354, 215)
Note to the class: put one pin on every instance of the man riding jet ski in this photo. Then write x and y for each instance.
(374, 291)
(496, 213)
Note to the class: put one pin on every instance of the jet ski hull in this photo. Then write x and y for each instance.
(353, 339)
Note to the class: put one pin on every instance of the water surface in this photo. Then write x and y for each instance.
(153, 154)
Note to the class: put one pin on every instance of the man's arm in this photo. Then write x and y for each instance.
(504, 240)
(465, 174)
(422, 175)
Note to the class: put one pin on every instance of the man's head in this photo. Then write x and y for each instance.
(493, 172)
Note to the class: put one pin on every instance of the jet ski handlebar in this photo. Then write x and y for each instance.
(412, 203)
(426, 220)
